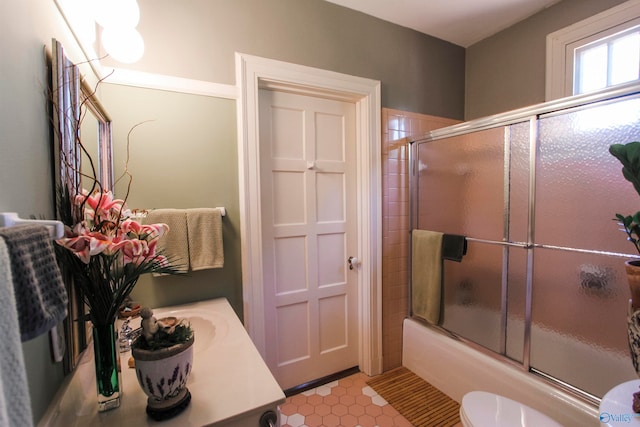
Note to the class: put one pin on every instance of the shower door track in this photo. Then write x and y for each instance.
(532, 115)
(525, 113)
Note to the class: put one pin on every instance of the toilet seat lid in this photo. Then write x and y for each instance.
(487, 409)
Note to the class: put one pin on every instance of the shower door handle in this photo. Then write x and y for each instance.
(353, 262)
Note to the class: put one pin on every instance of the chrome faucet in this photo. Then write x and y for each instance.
(126, 336)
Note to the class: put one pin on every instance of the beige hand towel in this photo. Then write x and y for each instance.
(426, 274)
(175, 243)
(205, 238)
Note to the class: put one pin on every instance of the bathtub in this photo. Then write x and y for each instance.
(456, 368)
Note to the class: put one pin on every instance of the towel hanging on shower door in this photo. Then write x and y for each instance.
(426, 274)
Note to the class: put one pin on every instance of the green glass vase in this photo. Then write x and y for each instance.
(107, 364)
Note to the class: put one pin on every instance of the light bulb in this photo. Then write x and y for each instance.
(123, 44)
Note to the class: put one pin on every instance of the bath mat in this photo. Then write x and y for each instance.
(419, 402)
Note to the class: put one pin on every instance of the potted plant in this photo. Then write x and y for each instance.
(629, 155)
(163, 356)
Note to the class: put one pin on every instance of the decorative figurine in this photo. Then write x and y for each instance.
(149, 324)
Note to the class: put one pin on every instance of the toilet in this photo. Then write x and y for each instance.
(483, 409)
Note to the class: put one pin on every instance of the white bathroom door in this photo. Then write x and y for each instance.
(308, 184)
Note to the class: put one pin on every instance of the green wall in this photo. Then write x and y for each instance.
(26, 27)
(186, 156)
(197, 39)
(507, 70)
(183, 155)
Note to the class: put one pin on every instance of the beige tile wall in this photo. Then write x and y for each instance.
(397, 126)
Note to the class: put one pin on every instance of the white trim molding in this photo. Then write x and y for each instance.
(254, 73)
(122, 76)
(559, 65)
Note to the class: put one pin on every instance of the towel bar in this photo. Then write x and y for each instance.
(141, 213)
(9, 219)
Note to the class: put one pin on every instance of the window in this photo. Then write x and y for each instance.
(595, 53)
(607, 62)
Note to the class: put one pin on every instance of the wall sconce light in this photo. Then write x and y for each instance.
(119, 19)
(123, 44)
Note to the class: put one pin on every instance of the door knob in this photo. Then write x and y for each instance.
(353, 262)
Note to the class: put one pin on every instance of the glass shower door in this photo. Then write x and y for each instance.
(580, 289)
(543, 282)
(463, 187)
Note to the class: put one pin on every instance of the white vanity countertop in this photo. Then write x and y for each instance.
(228, 382)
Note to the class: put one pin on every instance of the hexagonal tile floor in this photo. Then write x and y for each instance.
(348, 402)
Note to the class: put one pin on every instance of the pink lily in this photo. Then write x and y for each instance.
(78, 245)
(130, 226)
(135, 251)
(98, 242)
(154, 231)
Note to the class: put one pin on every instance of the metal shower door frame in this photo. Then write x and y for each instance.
(532, 115)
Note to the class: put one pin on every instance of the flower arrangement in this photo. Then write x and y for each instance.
(104, 251)
(107, 251)
(629, 155)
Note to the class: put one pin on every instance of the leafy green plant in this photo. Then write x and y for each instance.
(629, 155)
(181, 334)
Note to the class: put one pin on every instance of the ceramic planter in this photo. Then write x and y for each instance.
(162, 375)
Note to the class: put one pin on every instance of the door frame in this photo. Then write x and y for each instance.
(254, 73)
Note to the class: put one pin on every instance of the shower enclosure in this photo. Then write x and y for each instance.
(535, 192)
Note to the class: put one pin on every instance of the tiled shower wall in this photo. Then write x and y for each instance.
(397, 127)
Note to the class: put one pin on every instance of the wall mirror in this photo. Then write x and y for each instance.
(82, 156)
(95, 133)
